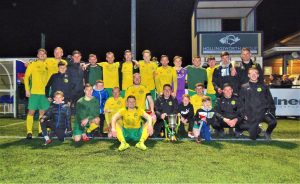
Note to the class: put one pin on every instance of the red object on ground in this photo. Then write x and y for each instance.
(85, 139)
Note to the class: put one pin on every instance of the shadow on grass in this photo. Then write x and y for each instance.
(34, 144)
(151, 143)
(91, 142)
(280, 144)
(115, 144)
(214, 144)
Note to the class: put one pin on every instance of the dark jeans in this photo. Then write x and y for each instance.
(219, 125)
(59, 132)
(74, 99)
(190, 128)
(158, 126)
(101, 125)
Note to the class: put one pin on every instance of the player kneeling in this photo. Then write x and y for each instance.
(87, 112)
(57, 118)
(132, 128)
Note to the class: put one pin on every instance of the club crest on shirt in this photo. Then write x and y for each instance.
(119, 103)
(66, 80)
(170, 103)
(233, 102)
(259, 89)
(141, 91)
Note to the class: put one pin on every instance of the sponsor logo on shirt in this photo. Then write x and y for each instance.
(185, 112)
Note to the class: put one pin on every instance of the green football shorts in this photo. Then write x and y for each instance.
(132, 134)
(38, 102)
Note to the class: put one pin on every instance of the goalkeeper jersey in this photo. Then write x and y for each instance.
(110, 74)
(35, 79)
(147, 74)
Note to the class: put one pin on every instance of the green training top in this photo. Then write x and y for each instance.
(86, 109)
(95, 74)
(195, 75)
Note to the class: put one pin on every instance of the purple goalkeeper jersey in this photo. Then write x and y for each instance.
(181, 75)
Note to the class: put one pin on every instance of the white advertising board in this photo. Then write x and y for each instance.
(287, 101)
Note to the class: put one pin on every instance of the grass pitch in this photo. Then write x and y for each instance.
(98, 161)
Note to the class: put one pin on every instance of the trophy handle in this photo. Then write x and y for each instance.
(166, 130)
(178, 124)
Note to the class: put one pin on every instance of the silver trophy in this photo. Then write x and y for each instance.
(171, 127)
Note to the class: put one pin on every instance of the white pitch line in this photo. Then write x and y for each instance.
(12, 124)
(161, 139)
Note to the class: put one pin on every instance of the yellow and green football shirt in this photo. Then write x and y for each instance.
(140, 93)
(113, 105)
(210, 88)
(147, 71)
(127, 75)
(35, 79)
(110, 74)
(131, 117)
(52, 66)
(196, 101)
(165, 75)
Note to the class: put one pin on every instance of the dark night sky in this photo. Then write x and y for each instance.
(98, 26)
